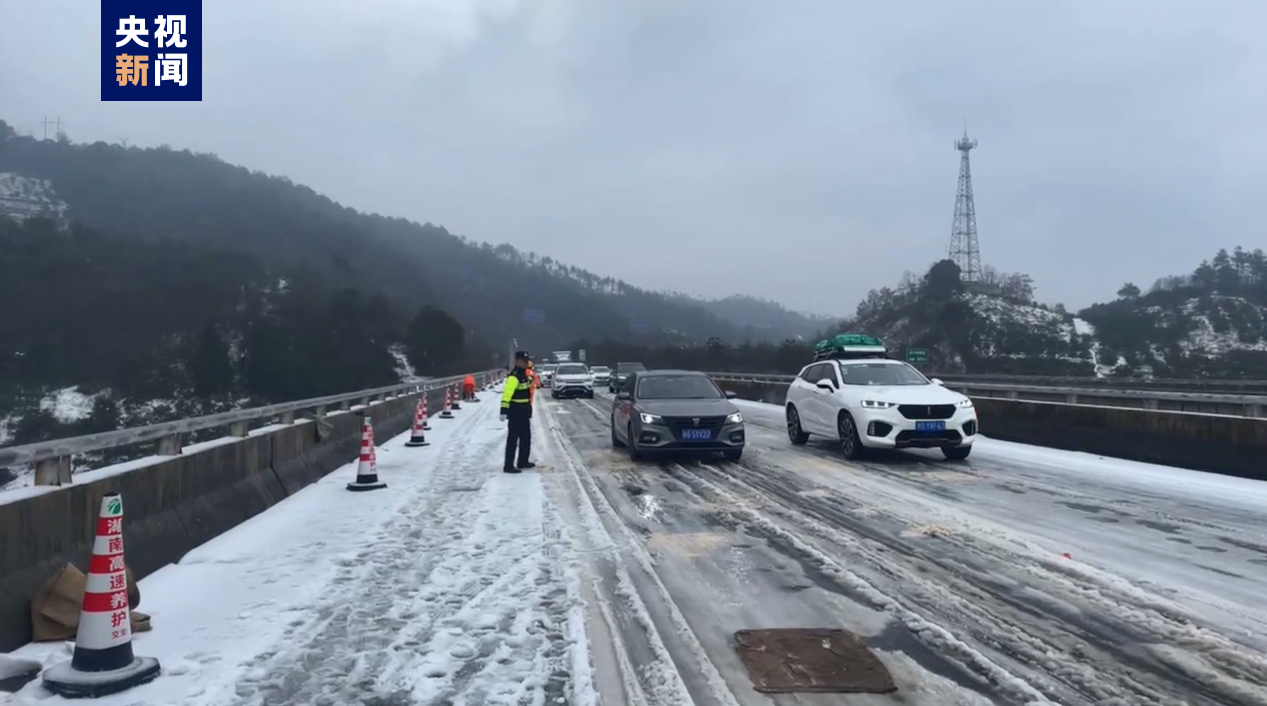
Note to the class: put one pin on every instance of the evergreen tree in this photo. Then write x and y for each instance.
(210, 370)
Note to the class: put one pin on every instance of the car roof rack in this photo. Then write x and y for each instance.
(850, 346)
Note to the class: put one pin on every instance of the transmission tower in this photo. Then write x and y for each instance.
(965, 251)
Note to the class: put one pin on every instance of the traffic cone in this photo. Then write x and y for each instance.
(446, 413)
(426, 426)
(418, 438)
(103, 662)
(367, 466)
(457, 396)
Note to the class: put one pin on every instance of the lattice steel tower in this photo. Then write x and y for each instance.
(964, 248)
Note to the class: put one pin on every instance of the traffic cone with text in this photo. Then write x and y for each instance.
(457, 396)
(103, 662)
(417, 437)
(367, 466)
(446, 413)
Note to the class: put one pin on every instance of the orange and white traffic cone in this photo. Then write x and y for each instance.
(418, 438)
(367, 466)
(103, 662)
(446, 413)
(457, 396)
(426, 426)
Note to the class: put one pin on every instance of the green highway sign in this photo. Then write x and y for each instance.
(917, 355)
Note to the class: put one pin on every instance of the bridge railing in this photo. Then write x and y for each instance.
(53, 458)
(1244, 387)
(1239, 405)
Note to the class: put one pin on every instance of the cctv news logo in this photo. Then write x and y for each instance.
(151, 50)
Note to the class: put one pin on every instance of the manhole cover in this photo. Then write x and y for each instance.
(788, 660)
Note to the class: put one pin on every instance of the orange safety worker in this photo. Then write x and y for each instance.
(468, 387)
(532, 388)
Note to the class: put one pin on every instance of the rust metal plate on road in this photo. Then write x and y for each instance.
(815, 660)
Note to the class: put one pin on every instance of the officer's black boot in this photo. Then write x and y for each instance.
(527, 464)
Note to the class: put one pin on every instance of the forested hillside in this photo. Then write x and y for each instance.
(175, 194)
(764, 320)
(1210, 323)
(151, 329)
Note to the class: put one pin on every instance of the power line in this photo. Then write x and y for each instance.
(57, 122)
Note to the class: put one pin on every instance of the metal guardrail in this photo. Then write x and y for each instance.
(1248, 387)
(52, 458)
(1163, 400)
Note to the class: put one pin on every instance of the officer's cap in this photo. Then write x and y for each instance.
(522, 355)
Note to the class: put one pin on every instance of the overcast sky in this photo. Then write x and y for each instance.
(796, 150)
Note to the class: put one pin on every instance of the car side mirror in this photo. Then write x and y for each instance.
(825, 385)
(730, 395)
(623, 395)
(936, 381)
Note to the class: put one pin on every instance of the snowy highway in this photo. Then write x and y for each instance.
(1023, 575)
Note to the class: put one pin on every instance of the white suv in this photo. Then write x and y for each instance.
(878, 403)
(572, 380)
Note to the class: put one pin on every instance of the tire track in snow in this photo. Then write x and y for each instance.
(459, 597)
(681, 672)
(1016, 630)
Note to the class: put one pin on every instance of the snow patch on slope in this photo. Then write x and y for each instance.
(1207, 338)
(68, 404)
(24, 197)
(403, 369)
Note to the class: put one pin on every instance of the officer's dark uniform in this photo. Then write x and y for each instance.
(517, 408)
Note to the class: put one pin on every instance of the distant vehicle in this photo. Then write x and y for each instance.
(602, 374)
(546, 372)
(562, 356)
(622, 371)
(572, 380)
(853, 393)
(675, 411)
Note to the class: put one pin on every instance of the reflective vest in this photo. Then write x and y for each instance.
(518, 389)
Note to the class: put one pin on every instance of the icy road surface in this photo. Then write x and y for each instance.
(1024, 575)
(454, 585)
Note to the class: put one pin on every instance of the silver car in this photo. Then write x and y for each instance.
(601, 374)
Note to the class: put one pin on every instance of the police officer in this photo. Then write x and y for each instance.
(516, 410)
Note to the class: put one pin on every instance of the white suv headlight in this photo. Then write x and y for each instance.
(876, 404)
(734, 418)
(649, 418)
(964, 403)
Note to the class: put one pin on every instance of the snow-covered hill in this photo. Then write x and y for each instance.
(977, 332)
(1180, 334)
(25, 197)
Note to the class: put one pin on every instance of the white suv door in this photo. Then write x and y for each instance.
(829, 401)
(810, 399)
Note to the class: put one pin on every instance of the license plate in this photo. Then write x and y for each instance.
(696, 434)
(930, 426)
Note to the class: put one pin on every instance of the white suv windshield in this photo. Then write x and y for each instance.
(572, 370)
(600, 369)
(881, 374)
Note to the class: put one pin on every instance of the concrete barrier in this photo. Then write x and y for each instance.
(1234, 446)
(175, 505)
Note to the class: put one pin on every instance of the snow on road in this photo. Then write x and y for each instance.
(696, 576)
(456, 585)
(1091, 579)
